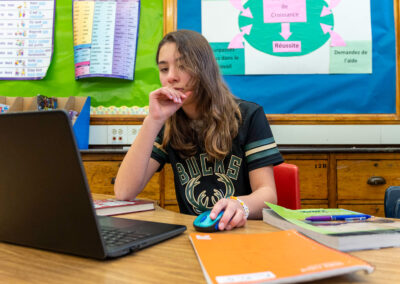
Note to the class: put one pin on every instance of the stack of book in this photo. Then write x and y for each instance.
(349, 234)
(111, 206)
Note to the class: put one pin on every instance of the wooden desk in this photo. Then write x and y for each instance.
(172, 261)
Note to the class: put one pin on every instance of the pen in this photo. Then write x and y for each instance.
(339, 217)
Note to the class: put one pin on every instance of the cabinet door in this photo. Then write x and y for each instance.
(152, 189)
(370, 209)
(313, 175)
(101, 176)
(170, 196)
(366, 179)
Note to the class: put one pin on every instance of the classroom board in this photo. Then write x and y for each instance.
(373, 93)
(60, 79)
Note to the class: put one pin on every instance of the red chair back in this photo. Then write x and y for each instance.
(287, 185)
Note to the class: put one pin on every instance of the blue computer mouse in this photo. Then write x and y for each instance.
(203, 222)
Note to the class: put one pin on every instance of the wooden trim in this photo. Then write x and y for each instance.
(169, 16)
(397, 34)
(367, 156)
(307, 156)
(111, 119)
(313, 201)
(334, 119)
(299, 119)
(87, 157)
(360, 202)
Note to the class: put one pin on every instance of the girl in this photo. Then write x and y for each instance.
(221, 148)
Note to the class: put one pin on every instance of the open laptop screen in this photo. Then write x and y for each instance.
(45, 200)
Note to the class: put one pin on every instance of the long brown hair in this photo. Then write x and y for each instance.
(220, 114)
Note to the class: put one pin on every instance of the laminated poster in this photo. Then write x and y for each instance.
(105, 38)
(26, 39)
(289, 36)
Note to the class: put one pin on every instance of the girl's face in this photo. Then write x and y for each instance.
(172, 72)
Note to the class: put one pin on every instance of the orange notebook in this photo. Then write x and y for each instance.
(278, 257)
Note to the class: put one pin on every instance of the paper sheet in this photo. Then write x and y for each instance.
(26, 39)
(289, 36)
(105, 38)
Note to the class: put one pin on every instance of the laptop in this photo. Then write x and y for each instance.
(45, 201)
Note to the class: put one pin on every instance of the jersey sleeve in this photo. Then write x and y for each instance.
(159, 153)
(260, 147)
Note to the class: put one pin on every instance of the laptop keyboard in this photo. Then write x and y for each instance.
(115, 237)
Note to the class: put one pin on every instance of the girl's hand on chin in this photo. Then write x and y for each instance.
(165, 101)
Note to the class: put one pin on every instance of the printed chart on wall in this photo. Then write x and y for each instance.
(105, 38)
(26, 39)
(289, 36)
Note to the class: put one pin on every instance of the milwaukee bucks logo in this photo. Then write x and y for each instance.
(201, 203)
(197, 190)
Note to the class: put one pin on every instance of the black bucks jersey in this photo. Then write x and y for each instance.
(199, 183)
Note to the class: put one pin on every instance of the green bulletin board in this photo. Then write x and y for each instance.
(60, 79)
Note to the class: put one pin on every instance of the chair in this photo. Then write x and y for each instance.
(287, 185)
(392, 202)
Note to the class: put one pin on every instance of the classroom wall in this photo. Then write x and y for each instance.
(291, 134)
(336, 134)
